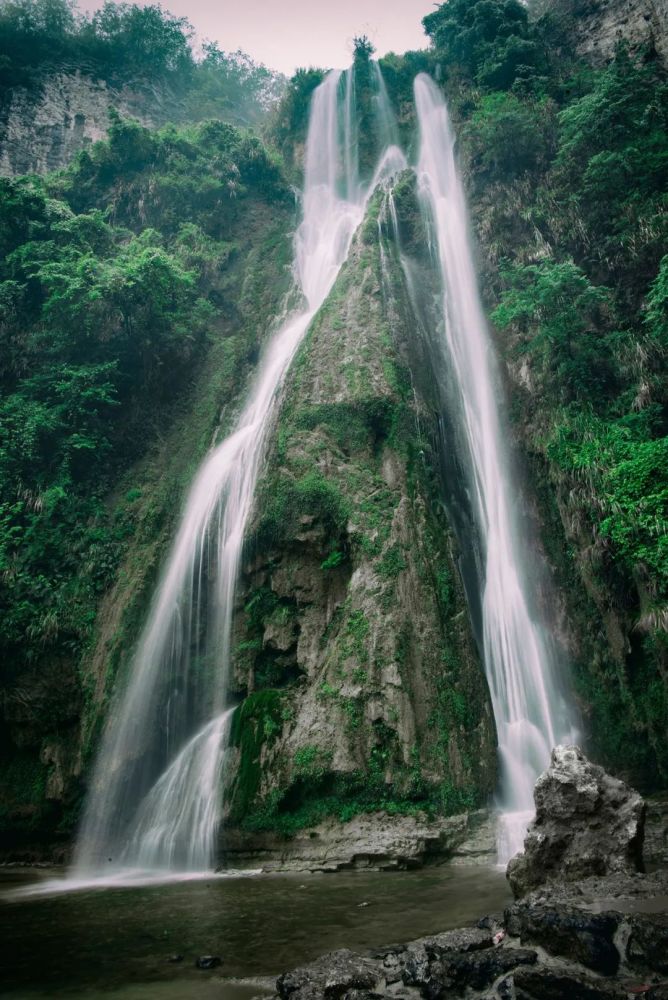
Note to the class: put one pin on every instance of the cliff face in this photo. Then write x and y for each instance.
(44, 127)
(361, 683)
(602, 24)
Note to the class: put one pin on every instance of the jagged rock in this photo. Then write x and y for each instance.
(337, 974)
(371, 840)
(642, 24)
(463, 939)
(587, 823)
(567, 931)
(647, 946)
(631, 932)
(655, 844)
(478, 970)
(580, 954)
(552, 984)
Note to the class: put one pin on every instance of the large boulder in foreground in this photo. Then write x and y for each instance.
(587, 823)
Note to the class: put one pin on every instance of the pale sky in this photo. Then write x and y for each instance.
(286, 34)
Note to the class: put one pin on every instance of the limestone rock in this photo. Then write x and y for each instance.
(368, 841)
(587, 823)
(603, 24)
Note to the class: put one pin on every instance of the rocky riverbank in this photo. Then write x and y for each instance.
(587, 922)
(376, 841)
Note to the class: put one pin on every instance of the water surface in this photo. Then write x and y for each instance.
(117, 941)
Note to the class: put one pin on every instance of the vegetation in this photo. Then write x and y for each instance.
(100, 324)
(122, 277)
(129, 43)
(154, 253)
(568, 174)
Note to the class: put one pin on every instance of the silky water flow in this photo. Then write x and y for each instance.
(530, 708)
(155, 797)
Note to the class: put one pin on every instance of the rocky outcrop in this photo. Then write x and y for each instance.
(587, 823)
(374, 841)
(655, 846)
(353, 651)
(602, 938)
(44, 127)
(603, 24)
(605, 924)
(551, 945)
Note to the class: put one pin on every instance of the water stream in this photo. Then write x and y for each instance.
(154, 798)
(529, 707)
(155, 794)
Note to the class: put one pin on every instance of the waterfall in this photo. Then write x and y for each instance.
(388, 133)
(154, 796)
(529, 706)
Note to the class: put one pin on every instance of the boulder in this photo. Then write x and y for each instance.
(567, 931)
(337, 974)
(587, 823)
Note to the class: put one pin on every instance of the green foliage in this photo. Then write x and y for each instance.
(656, 315)
(269, 668)
(392, 562)
(564, 312)
(101, 330)
(291, 120)
(125, 42)
(333, 560)
(256, 722)
(318, 793)
(612, 166)
(636, 493)
(490, 40)
(510, 135)
(288, 502)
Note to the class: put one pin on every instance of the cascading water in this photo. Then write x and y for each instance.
(388, 133)
(154, 798)
(529, 707)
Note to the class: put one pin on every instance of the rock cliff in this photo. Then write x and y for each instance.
(44, 127)
(361, 682)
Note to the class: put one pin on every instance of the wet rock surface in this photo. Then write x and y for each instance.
(582, 938)
(549, 946)
(587, 823)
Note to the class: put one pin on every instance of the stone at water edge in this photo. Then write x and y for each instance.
(587, 823)
(208, 961)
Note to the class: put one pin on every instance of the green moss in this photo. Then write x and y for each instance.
(392, 562)
(287, 501)
(255, 723)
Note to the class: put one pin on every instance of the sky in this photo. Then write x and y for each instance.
(287, 34)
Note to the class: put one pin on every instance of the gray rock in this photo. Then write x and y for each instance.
(643, 24)
(647, 946)
(567, 931)
(337, 974)
(368, 841)
(463, 939)
(655, 846)
(587, 823)
(478, 970)
(553, 984)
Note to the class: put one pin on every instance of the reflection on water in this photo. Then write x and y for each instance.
(116, 941)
